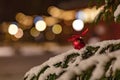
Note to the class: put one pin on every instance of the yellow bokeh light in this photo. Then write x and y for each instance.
(57, 29)
(26, 21)
(40, 25)
(5, 26)
(34, 32)
(19, 16)
(51, 20)
(12, 29)
(91, 13)
(61, 14)
(68, 15)
(19, 34)
(54, 11)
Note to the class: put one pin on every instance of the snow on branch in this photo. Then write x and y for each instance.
(93, 62)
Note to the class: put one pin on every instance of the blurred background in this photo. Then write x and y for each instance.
(32, 31)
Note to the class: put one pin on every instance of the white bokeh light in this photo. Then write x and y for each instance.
(40, 25)
(19, 34)
(78, 25)
(12, 29)
(81, 15)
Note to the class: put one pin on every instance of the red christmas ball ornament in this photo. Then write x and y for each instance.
(77, 40)
(78, 44)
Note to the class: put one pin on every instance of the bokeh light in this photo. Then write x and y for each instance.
(68, 15)
(37, 18)
(57, 29)
(34, 32)
(19, 34)
(54, 11)
(100, 29)
(19, 16)
(27, 21)
(91, 13)
(40, 25)
(4, 27)
(78, 25)
(13, 29)
(50, 21)
(61, 14)
(49, 35)
(81, 15)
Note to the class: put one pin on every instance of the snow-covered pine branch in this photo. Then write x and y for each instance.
(94, 62)
(117, 13)
(110, 10)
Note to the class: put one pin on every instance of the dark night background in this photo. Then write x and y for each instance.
(8, 9)
(17, 57)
